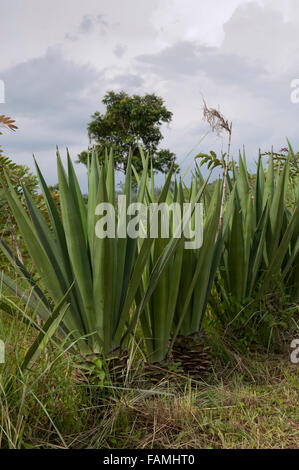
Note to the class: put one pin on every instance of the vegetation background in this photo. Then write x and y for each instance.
(141, 343)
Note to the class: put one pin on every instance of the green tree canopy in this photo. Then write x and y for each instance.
(127, 122)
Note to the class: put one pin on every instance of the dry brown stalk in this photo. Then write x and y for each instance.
(218, 123)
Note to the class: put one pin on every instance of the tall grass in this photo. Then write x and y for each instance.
(39, 404)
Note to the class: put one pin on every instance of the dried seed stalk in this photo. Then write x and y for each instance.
(218, 123)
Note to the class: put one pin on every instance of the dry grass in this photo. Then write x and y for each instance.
(236, 414)
(246, 407)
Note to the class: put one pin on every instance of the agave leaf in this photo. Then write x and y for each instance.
(33, 243)
(275, 265)
(76, 246)
(77, 195)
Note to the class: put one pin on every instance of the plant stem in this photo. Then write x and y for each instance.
(225, 178)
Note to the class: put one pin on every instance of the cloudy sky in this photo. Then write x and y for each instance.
(59, 57)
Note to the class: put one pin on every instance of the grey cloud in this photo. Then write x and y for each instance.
(128, 81)
(179, 59)
(89, 24)
(86, 24)
(119, 51)
(248, 75)
(192, 58)
(262, 34)
(52, 100)
(48, 84)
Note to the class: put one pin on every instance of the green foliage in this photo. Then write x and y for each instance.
(154, 283)
(261, 248)
(167, 310)
(42, 400)
(20, 176)
(211, 160)
(280, 158)
(130, 121)
(106, 271)
(199, 267)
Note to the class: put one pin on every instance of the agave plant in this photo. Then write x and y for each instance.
(157, 316)
(290, 274)
(106, 271)
(259, 235)
(179, 300)
(291, 267)
(199, 267)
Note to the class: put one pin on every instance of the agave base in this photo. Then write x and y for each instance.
(95, 369)
(193, 353)
(190, 358)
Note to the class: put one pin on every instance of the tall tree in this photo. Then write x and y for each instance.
(127, 122)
